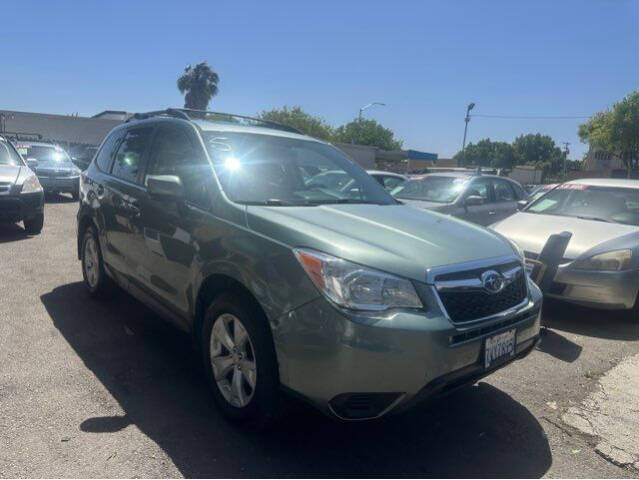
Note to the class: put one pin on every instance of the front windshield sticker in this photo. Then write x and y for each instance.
(572, 186)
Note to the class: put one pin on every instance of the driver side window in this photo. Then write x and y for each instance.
(479, 188)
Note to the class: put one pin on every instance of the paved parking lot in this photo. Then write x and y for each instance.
(91, 389)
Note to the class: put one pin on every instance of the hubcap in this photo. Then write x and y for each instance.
(91, 262)
(233, 360)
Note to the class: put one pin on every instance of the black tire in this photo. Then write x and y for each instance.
(33, 226)
(265, 406)
(103, 286)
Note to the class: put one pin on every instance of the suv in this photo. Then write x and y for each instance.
(357, 303)
(482, 199)
(53, 166)
(21, 195)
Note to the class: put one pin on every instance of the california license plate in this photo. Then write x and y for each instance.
(499, 348)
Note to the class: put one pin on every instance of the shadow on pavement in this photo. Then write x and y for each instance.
(152, 372)
(12, 232)
(566, 317)
(559, 346)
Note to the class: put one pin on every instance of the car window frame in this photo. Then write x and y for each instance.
(143, 158)
(121, 132)
(489, 186)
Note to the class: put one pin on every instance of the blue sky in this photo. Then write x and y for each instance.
(425, 60)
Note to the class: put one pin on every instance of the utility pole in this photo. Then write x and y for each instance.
(466, 119)
(566, 151)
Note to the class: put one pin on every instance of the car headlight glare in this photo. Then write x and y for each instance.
(31, 184)
(608, 261)
(355, 287)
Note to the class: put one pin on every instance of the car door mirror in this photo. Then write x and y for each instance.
(521, 204)
(473, 200)
(168, 187)
(32, 163)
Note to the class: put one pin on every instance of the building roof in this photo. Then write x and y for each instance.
(56, 128)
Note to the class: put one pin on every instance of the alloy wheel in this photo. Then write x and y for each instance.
(91, 262)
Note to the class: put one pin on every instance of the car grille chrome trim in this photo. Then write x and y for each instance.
(463, 297)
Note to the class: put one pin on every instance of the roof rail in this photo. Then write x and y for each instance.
(192, 114)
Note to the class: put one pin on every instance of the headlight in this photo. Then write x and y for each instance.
(608, 261)
(354, 286)
(31, 184)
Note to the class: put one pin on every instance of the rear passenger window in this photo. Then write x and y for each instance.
(104, 157)
(503, 191)
(128, 160)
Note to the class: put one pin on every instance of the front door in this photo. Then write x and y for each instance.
(505, 199)
(482, 213)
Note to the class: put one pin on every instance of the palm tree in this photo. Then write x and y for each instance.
(200, 84)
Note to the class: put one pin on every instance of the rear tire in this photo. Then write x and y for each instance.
(97, 282)
(237, 339)
(33, 226)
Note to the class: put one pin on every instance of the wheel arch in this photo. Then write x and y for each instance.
(85, 222)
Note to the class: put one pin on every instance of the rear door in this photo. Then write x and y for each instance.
(121, 192)
(505, 199)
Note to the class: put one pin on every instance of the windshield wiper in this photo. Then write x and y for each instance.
(342, 201)
(596, 219)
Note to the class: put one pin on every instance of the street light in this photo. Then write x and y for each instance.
(367, 106)
(471, 105)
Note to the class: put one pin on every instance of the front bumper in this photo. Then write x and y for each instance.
(329, 356)
(60, 184)
(591, 288)
(14, 208)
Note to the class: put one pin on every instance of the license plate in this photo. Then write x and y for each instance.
(499, 348)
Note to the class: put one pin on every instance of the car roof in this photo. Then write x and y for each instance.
(607, 182)
(38, 144)
(213, 126)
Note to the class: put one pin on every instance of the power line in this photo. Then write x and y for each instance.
(533, 117)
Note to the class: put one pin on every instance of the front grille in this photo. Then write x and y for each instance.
(464, 305)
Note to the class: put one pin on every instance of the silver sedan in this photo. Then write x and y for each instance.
(601, 263)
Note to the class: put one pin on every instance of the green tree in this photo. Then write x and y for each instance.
(616, 131)
(487, 153)
(367, 132)
(297, 118)
(539, 150)
(200, 84)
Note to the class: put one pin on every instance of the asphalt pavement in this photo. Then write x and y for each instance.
(106, 389)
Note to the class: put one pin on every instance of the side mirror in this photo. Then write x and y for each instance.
(32, 163)
(473, 200)
(521, 204)
(168, 187)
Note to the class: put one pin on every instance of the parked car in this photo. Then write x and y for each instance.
(351, 300)
(388, 180)
(53, 166)
(21, 195)
(82, 157)
(601, 263)
(540, 190)
(479, 198)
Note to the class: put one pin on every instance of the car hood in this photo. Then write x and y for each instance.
(9, 173)
(399, 239)
(531, 231)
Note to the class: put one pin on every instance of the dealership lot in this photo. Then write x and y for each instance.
(91, 389)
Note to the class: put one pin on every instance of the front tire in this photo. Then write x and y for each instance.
(33, 226)
(240, 361)
(97, 282)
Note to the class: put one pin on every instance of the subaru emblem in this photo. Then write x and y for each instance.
(492, 281)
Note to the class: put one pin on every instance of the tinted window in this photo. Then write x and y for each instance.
(103, 160)
(175, 152)
(44, 153)
(390, 183)
(276, 170)
(503, 191)
(128, 159)
(8, 156)
(432, 188)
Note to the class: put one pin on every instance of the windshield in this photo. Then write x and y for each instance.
(270, 170)
(43, 153)
(8, 156)
(605, 204)
(431, 189)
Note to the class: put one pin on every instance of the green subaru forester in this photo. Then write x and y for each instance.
(294, 270)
